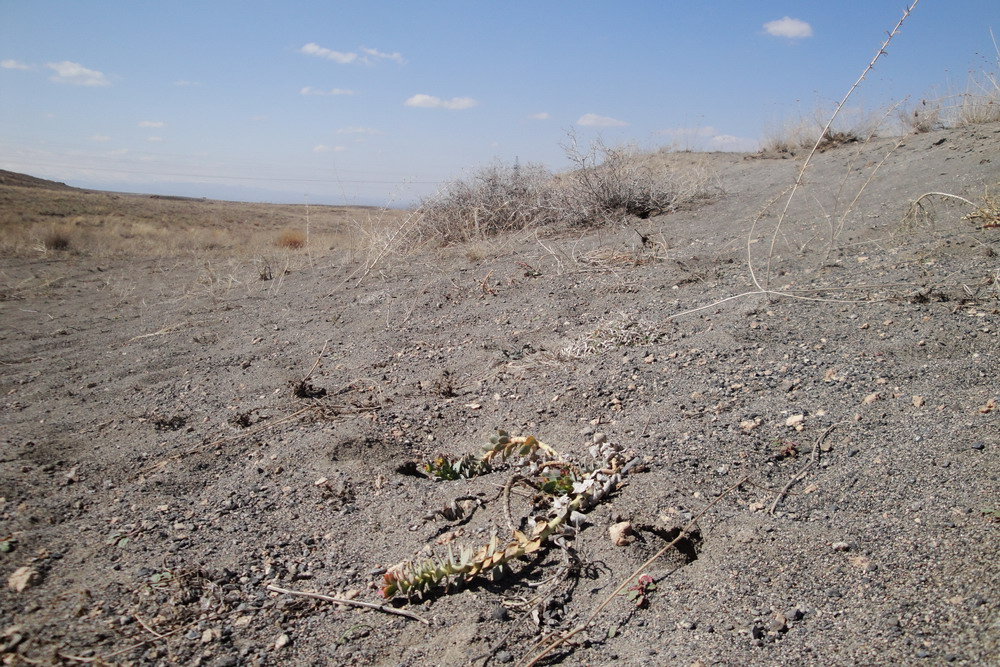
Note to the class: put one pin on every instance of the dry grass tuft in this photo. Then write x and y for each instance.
(291, 239)
(799, 136)
(925, 117)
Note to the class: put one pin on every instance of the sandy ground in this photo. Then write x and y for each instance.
(172, 444)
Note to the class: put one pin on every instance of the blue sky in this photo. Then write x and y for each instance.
(382, 102)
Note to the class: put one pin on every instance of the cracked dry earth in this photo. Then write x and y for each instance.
(170, 448)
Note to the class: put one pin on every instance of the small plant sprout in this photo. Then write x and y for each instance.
(639, 593)
(502, 446)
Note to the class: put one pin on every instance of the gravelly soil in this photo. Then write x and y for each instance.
(161, 467)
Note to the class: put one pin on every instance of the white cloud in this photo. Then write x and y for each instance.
(184, 82)
(375, 54)
(13, 64)
(328, 149)
(76, 74)
(154, 140)
(593, 120)
(354, 129)
(432, 102)
(313, 49)
(309, 90)
(542, 115)
(151, 123)
(788, 27)
(100, 137)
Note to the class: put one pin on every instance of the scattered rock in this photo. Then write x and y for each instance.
(621, 533)
(12, 637)
(282, 641)
(24, 578)
(778, 624)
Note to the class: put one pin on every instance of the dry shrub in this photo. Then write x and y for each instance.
(291, 239)
(610, 184)
(57, 238)
(496, 199)
(605, 186)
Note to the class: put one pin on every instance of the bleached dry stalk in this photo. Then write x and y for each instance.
(805, 165)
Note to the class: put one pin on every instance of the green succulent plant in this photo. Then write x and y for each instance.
(572, 493)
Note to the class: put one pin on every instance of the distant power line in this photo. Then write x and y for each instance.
(239, 178)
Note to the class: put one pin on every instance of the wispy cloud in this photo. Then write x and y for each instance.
(76, 74)
(354, 129)
(788, 27)
(309, 90)
(322, 148)
(373, 55)
(13, 64)
(593, 120)
(313, 49)
(728, 142)
(432, 102)
(687, 132)
(542, 115)
(100, 138)
(706, 137)
(367, 56)
(184, 82)
(155, 140)
(152, 123)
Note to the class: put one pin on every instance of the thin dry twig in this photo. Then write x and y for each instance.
(148, 627)
(316, 364)
(813, 460)
(557, 641)
(353, 603)
(194, 450)
(105, 659)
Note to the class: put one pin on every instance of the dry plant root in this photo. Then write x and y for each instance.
(554, 640)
